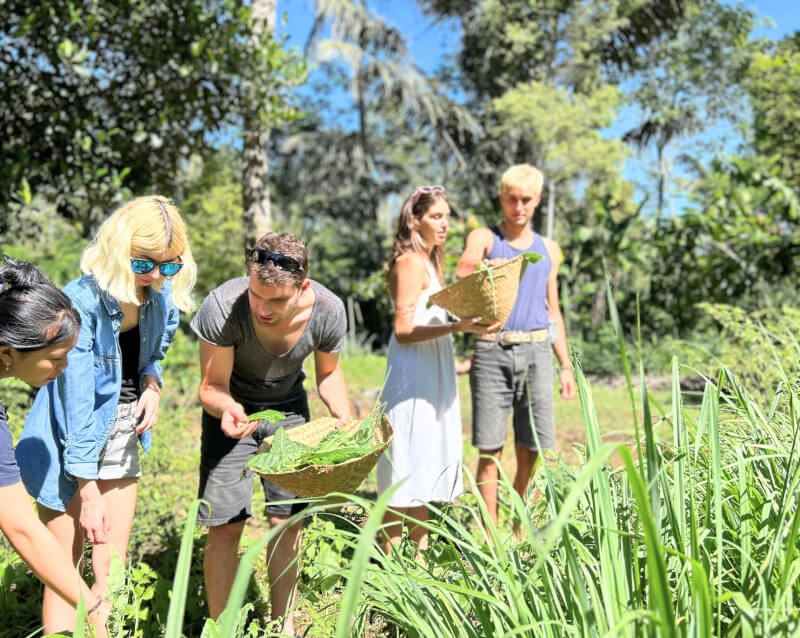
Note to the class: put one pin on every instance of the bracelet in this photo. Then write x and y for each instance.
(95, 607)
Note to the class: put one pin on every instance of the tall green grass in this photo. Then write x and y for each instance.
(694, 536)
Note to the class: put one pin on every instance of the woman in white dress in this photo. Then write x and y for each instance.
(420, 391)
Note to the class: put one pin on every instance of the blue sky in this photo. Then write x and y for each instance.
(429, 41)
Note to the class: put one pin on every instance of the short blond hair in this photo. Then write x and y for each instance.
(148, 225)
(522, 175)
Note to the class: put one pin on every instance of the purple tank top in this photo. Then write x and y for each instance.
(530, 311)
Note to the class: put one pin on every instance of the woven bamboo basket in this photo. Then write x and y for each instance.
(319, 480)
(474, 296)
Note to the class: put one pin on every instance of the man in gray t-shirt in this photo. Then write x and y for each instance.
(255, 332)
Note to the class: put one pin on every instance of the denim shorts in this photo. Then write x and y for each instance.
(225, 483)
(499, 380)
(120, 455)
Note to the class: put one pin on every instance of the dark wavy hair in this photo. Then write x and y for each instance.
(34, 314)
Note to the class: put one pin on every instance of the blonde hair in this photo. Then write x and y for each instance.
(149, 226)
(522, 175)
(407, 239)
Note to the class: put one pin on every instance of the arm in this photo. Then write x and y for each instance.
(151, 375)
(74, 391)
(566, 376)
(408, 277)
(216, 366)
(153, 367)
(331, 386)
(42, 552)
(479, 243)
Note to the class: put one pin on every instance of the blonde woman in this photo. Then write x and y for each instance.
(78, 453)
(420, 390)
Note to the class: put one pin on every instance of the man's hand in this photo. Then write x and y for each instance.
(234, 422)
(343, 420)
(567, 379)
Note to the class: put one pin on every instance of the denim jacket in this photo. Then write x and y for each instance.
(73, 415)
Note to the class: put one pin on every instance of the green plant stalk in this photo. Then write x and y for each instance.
(180, 583)
(660, 598)
(617, 324)
(355, 578)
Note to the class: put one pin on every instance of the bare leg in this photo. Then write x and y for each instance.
(282, 569)
(418, 533)
(393, 528)
(486, 477)
(57, 615)
(526, 459)
(220, 563)
(120, 499)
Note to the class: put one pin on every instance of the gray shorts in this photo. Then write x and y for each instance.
(120, 455)
(225, 483)
(499, 382)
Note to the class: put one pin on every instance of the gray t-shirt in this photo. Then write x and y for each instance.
(224, 320)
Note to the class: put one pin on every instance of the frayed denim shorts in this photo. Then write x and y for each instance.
(512, 377)
(120, 455)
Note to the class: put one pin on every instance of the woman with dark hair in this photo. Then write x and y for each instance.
(420, 390)
(38, 326)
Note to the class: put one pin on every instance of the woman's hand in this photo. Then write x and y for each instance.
(147, 405)
(98, 619)
(470, 324)
(94, 519)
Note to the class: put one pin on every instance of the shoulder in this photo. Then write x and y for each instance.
(85, 295)
(227, 294)
(410, 262)
(482, 235)
(83, 289)
(326, 299)
(553, 250)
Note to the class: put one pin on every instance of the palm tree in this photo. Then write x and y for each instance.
(257, 216)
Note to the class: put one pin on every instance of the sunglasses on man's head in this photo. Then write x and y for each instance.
(284, 262)
(166, 268)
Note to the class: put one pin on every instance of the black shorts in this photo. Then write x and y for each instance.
(222, 461)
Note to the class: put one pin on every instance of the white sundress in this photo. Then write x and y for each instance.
(421, 396)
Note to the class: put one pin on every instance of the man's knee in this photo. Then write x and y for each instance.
(487, 462)
(221, 536)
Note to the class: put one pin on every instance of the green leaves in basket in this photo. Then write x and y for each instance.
(273, 416)
(337, 446)
(284, 455)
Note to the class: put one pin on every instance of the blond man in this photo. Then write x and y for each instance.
(512, 371)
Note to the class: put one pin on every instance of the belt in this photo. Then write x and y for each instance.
(510, 338)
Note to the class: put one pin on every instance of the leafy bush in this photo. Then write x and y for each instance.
(758, 346)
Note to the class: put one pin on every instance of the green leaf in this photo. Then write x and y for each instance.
(273, 416)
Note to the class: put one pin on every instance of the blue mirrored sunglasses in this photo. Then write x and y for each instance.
(166, 268)
(284, 262)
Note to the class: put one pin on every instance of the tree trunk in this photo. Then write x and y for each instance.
(257, 216)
